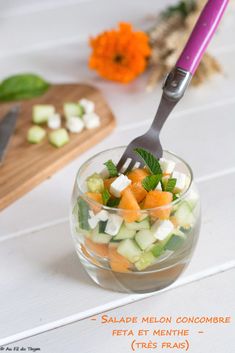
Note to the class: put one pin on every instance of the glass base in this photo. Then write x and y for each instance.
(133, 282)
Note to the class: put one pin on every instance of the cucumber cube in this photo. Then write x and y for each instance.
(35, 134)
(125, 233)
(73, 109)
(177, 237)
(59, 138)
(184, 215)
(144, 238)
(130, 250)
(157, 249)
(144, 224)
(146, 260)
(100, 238)
(42, 112)
(95, 183)
(175, 241)
(192, 199)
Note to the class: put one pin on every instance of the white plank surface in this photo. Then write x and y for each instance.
(13, 8)
(194, 299)
(43, 270)
(75, 22)
(203, 133)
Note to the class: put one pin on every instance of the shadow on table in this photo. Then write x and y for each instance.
(69, 267)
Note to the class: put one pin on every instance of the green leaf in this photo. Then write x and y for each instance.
(23, 86)
(150, 182)
(83, 214)
(105, 196)
(113, 202)
(170, 185)
(183, 8)
(150, 161)
(175, 197)
(111, 168)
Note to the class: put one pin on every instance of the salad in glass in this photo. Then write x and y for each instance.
(135, 231)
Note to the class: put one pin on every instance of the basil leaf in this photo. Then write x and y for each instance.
(105, 196)
(170, 185)
(150, 182)
(150, 161)
(113, 202)
(111, 168)
(23, 86)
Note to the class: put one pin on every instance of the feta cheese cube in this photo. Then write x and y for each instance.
(114, 224)
(161, 229)
(91, 120)
(54, 121)
(167, 165)
(119, 184)
(87, 105)
(91, 213)
(93, 220)
(75, 124)
(159, 186)
(181, 179)
(102, 215)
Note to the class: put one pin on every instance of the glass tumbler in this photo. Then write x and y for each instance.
(152, 267)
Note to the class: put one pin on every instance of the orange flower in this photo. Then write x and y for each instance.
(120, 55)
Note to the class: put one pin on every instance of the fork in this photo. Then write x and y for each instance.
(176, 84)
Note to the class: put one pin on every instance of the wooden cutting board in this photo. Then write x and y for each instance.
(26, 165)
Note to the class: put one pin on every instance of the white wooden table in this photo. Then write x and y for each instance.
(46, 299)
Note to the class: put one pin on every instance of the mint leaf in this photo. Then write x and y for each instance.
(105, 196)
(113, 202)
(150, 161)
(150, 182)
(170, 185)
(111, 168)
(175, 197)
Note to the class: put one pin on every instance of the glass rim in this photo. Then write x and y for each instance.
(141, 211)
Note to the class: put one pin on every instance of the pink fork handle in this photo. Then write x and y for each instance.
(201, 35)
